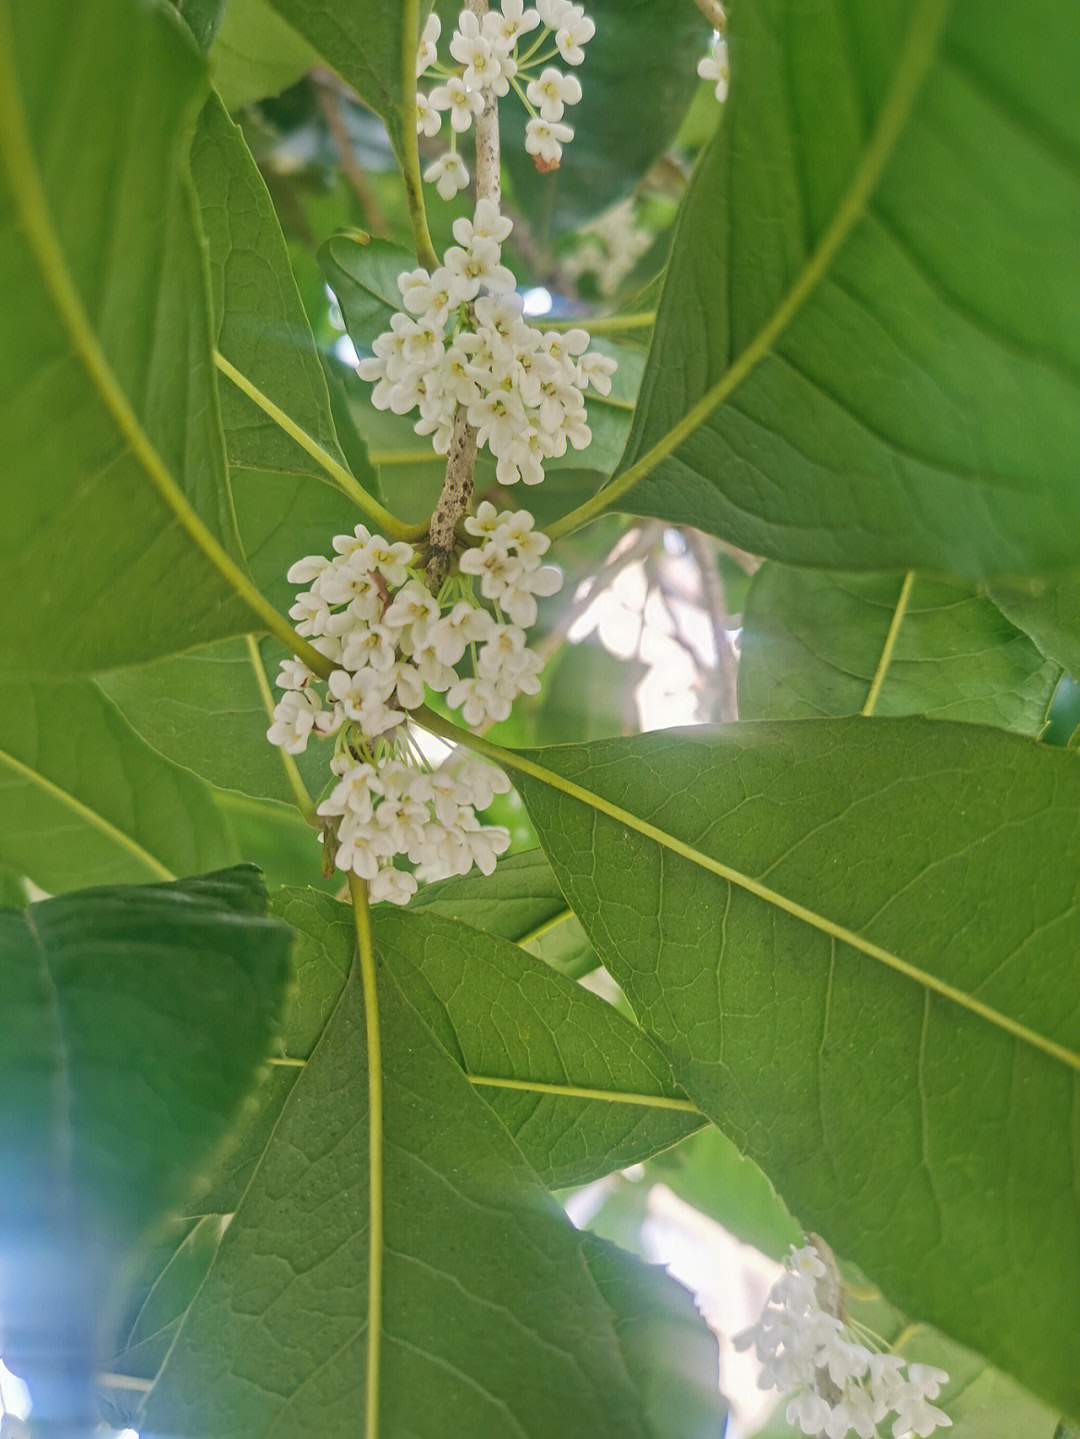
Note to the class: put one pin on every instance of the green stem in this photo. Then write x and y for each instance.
(915, 61)
(304, 803)
(573, 1091)
(395, 528)
(890, 644)
(605, 324)
(88, 815)
(365, 948)
(511, 760)
(409, 154)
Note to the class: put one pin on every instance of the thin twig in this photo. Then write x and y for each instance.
(328, 99)
(713, 12)
(602, 580)
(715, 604)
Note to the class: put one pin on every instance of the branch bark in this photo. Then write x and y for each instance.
(713, 12)
(461, 459)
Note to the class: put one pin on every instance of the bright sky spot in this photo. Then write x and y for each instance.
(537, 301)
(345, 350)
(14, 1395)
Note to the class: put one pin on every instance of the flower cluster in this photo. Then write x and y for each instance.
(609, 248)
(380, 811)
(714, 66)
(841, 1385)
(462, 340)
(490, 60)
(369, 612)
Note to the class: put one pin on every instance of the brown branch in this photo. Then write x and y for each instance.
(328, 99)
(461, 459)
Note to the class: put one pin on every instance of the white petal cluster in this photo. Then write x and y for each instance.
(839, 1385)
(367, 609)
(714, 66)
(392, 809)
(462, 339)
(488, 60)
(609, 248)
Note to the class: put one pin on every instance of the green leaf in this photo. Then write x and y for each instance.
(812, 644)
(671, 1355)
(118, 491)
(709, 1172)
(483, 1280)
(834, 930)
(134, 1022)
(1050, 613)
(164, 1293)
(645, 48)
(521, 902)
(371, 44)
(13, 893)
(208, 710)
(589, 694)
(255, 53)
(261, 327)
(84, 800)
(507, 1016)
(203, 18)
(364, 277)
(283, 517)
(837, 378)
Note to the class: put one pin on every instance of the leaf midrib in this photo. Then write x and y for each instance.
(510, 759)
(91, 816)
(915, 62)
(33, 213)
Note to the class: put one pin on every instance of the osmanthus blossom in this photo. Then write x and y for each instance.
(714, 66)
(462, 340)
(367, 608)
(489, 60)
(840, 1381)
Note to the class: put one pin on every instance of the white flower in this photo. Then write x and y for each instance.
(448, 174)
(552, 91)
(545, 140)
(800, 1344)
(485, 522)
(427, 51)
(714, 66)
(294, 717)
(483, 64)
(514, 21)
(294, 675)
(463, 103)
(368, 645)
(809, 1411)
(392, 885)
(486, 224)
(428, 117)
(479, 701)
(554, 13)
(307, 569)
(596, 370)
(412, 604)
(476, 266)
(574, 31)
(481, 782)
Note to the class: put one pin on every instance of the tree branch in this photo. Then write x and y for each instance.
(461, 460)
(327, 98)
(713, 12)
